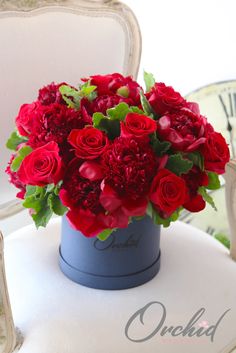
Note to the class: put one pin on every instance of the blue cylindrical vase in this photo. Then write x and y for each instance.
(128, 258)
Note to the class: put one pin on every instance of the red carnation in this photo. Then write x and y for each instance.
(14, 179)
(185, 130)
(164, 99)
(51, 94)
(129, 165)
(54, 123)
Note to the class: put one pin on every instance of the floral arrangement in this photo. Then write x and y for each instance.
(108, 152)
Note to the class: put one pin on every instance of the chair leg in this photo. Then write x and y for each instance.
(13, 339)
(230, 195)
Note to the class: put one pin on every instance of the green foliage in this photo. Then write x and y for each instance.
(105, 234)
(88, 91)
(157, 219)
(197, 159)
(160, 147)
(71, 96)
(178, 165)
(44, 201)
(146, 106)
(119, 112)
(15, 140)
(214, 181)
(149, 80)
(202, 191)
(21, 154)
(111, 123)
(222, 238)
(136, 110)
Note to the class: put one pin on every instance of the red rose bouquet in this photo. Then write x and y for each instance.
(108, 152)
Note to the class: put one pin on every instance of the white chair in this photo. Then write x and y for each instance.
(56, 315)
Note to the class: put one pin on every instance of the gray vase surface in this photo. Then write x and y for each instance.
(128, 258)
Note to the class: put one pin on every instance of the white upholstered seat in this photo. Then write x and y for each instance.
(57, 315)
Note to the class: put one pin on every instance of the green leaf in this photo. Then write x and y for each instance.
(146, 106)
(35, 203)
(21, 154)
(178, 165)
(50, 187)
(160, 147)
(15, 140)
(222, 238)
(202, 191)
(104, 123)
(42, 217)
(214, 181)
(71, 96)
(30, 190)
(149, 80)
(105, 234)
(88, 91)
(136, 110)
(119, 112)
(157, 219)
(56, 205)
(197, 159)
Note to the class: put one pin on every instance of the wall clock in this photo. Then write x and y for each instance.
(218, 103)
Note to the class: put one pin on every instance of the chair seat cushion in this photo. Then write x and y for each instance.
(57, 315)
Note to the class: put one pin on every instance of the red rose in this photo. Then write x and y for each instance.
(185, 130)
(25, 118)
(164, 99)
(168, 192)
(137, 125)
(216, 153)
(194, 179)
(117, 84)
(89, 142)
(42, 166)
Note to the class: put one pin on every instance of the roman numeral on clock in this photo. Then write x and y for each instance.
(229, 109)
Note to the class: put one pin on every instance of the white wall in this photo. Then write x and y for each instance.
(188, 43)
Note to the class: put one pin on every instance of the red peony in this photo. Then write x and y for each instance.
(215, 152)
(168, 192)
(137, 125)
(185, 130)
(164, 99)
(89, 143)
(42, 166)
(25, 118)
(117, 84)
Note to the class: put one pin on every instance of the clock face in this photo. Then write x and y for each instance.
(218, 103)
